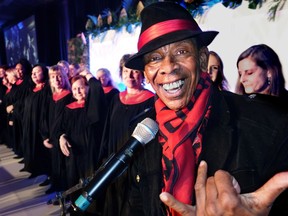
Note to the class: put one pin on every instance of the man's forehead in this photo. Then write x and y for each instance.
(190, 42)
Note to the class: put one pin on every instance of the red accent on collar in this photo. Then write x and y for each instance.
(8, 90)
(18, 82)
(58, 96)
(75, 105)
(107, 89)
(36, 89)
(135, 99)
(163, 28)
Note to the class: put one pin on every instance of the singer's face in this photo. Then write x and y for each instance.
(132, 78)
(79, 90)
(37, 75)
(103, 77)
(56, 80)
(172, 72)
(20, 70)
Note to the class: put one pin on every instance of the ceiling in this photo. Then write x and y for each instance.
(13, 10)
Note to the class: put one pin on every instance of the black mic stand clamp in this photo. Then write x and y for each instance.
(61, 196)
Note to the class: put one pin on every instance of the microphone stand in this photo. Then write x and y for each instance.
(61, 196)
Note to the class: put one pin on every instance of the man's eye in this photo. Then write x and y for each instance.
(181, 52)
(154, 58)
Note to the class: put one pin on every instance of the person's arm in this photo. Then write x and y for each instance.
(85, 73)
(95, 102)
(220, 195)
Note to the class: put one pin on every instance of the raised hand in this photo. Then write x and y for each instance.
(220, 195)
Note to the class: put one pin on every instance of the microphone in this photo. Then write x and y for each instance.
(144, 132)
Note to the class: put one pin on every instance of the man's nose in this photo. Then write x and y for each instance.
(168, 65)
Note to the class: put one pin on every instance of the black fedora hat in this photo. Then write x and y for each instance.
(164, 23)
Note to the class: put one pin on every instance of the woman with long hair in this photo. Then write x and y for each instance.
(260, 71)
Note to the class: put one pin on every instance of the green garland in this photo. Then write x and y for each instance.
(109, 20)
(195, 7)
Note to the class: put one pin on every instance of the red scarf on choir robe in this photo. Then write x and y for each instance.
(180, 134)
(60, 95)
(18, 82)
(135, 99)
(38, 88)
(107, 89)
(76, 104)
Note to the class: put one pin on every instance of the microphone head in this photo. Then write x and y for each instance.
(145, 131)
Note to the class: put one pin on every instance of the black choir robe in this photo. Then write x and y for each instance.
(36, 156)
(19, 92)
(7, 100)
(52, 112)
(82, 125)
(121, 121)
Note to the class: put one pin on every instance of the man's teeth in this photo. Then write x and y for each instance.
(173, 85)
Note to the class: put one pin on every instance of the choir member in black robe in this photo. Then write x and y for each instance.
(123, 113)
(73, 70)
(82, 126)
(51, 119)
(3, 114)
(24, 86)
(7, 99)
(36, 156)
(104, 75)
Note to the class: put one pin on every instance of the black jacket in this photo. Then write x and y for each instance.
(247, 136)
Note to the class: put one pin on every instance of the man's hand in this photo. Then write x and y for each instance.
(181, 208)
(220, 195)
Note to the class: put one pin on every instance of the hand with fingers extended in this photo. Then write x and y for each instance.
(220, 195)
(64, 145)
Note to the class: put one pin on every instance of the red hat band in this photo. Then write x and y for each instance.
(165, 27)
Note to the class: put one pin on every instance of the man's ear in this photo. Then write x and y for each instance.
(203, 58)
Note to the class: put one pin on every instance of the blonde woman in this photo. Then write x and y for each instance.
(52, 114)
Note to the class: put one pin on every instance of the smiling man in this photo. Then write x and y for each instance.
(198, 122)
(170, 48)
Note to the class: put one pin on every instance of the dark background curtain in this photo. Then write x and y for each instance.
(57, 22)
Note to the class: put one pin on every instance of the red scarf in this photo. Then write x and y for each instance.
(38, 88)
(135, 99)
(107, 89)
(18, 82)
(58, 96)
(180, 134)
(8, 90)
(76, 105)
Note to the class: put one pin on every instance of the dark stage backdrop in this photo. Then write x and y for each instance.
(20, 41)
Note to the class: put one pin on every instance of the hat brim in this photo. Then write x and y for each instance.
(203, 39)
